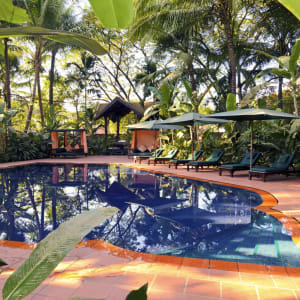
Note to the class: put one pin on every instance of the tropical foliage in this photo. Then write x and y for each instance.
(58, 64)
(50, 251)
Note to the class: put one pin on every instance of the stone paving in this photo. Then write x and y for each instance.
(96, 269)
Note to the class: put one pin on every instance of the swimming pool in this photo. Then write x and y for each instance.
(158, 214)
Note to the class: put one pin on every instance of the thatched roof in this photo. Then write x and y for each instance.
(117, 109)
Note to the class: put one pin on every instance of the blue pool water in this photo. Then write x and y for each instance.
(157, 214)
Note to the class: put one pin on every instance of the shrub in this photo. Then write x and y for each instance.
(22, 146)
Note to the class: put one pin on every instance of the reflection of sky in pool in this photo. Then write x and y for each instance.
(158, 214)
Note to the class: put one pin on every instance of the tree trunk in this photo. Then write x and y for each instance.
(280, 83)
(226, 18)
(295, 99)
(7, 94)
(192, 76)
(36, 76)
(51, 77)
(240, 87)
(40, 100)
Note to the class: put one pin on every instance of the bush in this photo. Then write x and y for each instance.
(23, 146)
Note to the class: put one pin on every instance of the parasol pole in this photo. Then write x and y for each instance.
(193, 128)
(155, 137)
(251, 143)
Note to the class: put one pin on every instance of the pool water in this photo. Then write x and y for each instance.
(157, 214)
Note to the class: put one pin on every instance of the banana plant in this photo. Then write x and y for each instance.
(113, 13)
(289, 69)
(165, 96)
(292, 6)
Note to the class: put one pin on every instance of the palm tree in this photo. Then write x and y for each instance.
(65, 21)
(84, 74)
(284, 28)
(42, 14)
(288, 68)
(192, 16)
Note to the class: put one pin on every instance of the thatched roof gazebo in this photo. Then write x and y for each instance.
(116, 110)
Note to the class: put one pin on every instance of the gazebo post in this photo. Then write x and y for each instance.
(105, 127)
(118, 128)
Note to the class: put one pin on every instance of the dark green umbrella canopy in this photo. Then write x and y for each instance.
(251, 114)
(152, 125)
(193, 118)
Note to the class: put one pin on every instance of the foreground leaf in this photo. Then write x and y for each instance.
(293, 6)
(51, 251)
(140, 294)
(64, 37)
(114, 13)
(2, 263)
(11, 13)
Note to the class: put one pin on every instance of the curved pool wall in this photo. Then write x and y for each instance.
(158, 214)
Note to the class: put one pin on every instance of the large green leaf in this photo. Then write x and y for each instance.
(69, 38)
(188, 88)
(165, 92)
(2, 263)
(268, 55)
(231, 102)
(252, 94)
(11, 13)
(294, 57)
(114, 13)
(140, 294)
(276, 71)
(292, 5)
(51, 251)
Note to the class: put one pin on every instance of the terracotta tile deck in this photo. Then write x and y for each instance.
(96, 269)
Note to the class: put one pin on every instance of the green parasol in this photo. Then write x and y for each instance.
(251, 114)
(193, 119)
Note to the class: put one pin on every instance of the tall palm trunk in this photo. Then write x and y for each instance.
(226, 18)
(280, 84)
(7, 93)
(37, 59)
(295, 99)
(51, 76)
(40, 100)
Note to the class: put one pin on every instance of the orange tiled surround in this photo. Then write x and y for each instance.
(97, 269)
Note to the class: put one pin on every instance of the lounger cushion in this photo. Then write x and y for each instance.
(142, 148)
(214, 158)
(235, 166)
(245, 163)
(267, 169)
(192, 156)
(281, 164)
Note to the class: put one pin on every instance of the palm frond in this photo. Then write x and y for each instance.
(50, 251)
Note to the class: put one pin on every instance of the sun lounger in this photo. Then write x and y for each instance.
(140, 158)
(213, 160)
(243, 165)
(280, 166)
(170, 155)
(192, 157)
